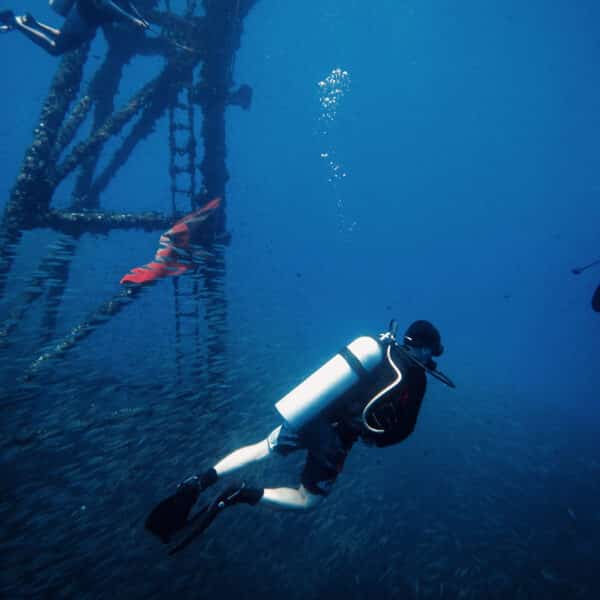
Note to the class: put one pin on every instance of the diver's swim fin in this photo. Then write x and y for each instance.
(233, 494)
(198, 524)
(171, 515)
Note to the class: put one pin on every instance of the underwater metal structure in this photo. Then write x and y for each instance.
(198, 41)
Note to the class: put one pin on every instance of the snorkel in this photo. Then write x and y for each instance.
(388, 339)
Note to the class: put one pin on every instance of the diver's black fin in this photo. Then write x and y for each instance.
(198, 524)
(171, 515)
(233, 494)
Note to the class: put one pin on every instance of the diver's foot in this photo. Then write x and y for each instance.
(200, 482)
(25, 19)
(191, 484)
(235, 494)
(7, 20)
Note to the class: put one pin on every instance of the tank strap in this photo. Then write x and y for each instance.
(354, 363)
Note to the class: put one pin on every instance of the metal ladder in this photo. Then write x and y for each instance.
(182, 172)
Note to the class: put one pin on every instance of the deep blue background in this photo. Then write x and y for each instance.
(469, 135)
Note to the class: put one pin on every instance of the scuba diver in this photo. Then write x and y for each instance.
(82, 18)
(371, 390)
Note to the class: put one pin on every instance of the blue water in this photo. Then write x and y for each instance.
(467, 137)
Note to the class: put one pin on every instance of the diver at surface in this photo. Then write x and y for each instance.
(82, 19)
(371, 390)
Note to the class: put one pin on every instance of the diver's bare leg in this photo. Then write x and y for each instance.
(29, 27)
(48, 29)
(290, 498)
(242, 457)
(284, 498)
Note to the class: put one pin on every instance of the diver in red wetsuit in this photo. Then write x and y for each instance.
(82, 18)
(371, 390)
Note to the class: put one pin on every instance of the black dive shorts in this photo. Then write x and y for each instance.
(327, 452)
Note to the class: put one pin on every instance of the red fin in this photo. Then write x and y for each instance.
(208, 207)
(214, 203)
(174, 244)
(155, 270)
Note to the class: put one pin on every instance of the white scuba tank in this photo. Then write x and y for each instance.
(62, 7)
(329, 382)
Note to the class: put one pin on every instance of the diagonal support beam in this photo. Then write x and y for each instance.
(33, 189)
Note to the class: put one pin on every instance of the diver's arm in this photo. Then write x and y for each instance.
(394, 436)
(397, 424)
(48, 29)
(121, 14)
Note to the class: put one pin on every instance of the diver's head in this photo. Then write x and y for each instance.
(423, 341)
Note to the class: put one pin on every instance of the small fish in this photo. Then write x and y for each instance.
(572, 514)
